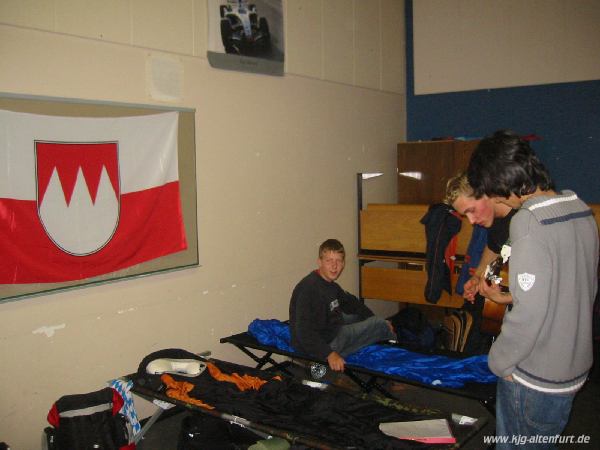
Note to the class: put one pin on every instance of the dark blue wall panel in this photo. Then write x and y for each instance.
(565, 116)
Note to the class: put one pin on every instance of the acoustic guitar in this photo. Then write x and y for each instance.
(493, 313)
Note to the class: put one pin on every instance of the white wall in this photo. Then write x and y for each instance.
(273, 182)
(463, 45)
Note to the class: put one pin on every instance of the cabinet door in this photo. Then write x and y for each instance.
(425, 167)
(462, 154)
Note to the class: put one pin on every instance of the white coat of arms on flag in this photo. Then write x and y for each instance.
(526, 280)
(78, 194)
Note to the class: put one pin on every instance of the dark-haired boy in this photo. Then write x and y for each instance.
(544, 350)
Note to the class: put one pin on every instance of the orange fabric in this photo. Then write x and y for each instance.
(450, 253)
(243, 383)
(180, 389)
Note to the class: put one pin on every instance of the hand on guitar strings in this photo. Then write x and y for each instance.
(493, 292)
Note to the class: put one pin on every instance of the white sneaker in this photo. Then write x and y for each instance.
(185, 367)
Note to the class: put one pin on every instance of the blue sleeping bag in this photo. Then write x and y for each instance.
(436, 370)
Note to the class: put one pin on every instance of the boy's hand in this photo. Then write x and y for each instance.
(471, 287)
(336, 362)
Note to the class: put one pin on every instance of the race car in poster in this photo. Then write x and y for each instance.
(243, 32)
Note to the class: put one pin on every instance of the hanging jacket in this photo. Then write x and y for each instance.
(440, 227)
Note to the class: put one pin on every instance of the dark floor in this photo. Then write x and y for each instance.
(164, 434)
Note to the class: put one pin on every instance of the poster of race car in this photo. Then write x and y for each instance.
(246, 35)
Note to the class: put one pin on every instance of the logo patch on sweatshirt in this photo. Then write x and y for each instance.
(334, 304)
(526, 280)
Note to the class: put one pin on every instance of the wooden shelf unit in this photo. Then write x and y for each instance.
(392, 235)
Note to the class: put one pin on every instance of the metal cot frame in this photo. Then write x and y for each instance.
(368, 380)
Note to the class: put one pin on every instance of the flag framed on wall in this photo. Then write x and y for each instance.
(93, 192)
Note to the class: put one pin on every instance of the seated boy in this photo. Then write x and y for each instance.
(327, 322)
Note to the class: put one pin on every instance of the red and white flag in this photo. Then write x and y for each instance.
(81, 197)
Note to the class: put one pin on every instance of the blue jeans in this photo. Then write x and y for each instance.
(356, 335)
(525, 415)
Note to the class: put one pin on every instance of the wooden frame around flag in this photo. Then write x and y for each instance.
(176, 194)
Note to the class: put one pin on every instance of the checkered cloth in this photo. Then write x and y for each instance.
(128, 409)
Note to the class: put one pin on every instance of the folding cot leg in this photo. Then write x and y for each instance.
(368, 385)
(266, 358)
(138, 437)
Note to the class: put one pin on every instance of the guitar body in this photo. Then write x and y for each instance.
(491, 317)
(493, 313)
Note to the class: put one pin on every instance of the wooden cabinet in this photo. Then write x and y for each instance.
(424, 168)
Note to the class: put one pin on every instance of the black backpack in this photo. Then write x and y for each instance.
(89, 421)
(413, 330)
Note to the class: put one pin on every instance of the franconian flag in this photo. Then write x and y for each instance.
(81, 197)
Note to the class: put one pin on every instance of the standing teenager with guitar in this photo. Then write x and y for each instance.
(495, 217)
(544, 353)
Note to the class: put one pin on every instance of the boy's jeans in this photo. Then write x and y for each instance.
(356, 335)
(524, 415)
